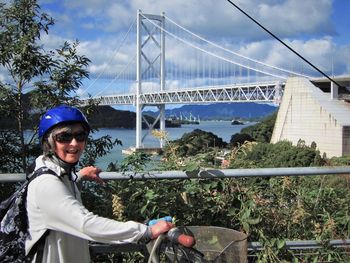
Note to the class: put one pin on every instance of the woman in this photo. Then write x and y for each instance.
(54, 202)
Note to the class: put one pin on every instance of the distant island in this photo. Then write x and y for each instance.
(237, 122)
(109, 117)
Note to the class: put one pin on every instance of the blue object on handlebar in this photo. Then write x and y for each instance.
(166, 218)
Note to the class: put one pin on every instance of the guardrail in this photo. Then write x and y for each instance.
(206, 173)
(304, 244)
(213, 173)
(253, 247)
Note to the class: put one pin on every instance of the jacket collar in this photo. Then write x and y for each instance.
(57, 165)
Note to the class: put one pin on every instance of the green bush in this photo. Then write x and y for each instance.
(195, 142)
(262, 131)
(281, 154)
(239, 139)
(269, 210)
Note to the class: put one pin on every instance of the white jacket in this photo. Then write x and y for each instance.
(54, 203)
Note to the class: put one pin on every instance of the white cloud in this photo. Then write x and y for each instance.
(220, 18)
(318, 52)
(304, 25)
(119, 17)
(210, 17)
(52, 41)
(293, 17)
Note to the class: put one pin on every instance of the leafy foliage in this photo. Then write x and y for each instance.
(281, 154)
(22, 56)
(269, 210)
(262, 131)
(240, 138)
(197, 141)
(52, 75)
(96, 148)
(10, 161)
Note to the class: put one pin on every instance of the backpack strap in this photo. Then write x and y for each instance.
(38, 172)
(38, 247)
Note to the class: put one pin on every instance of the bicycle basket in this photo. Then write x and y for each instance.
(216, 244)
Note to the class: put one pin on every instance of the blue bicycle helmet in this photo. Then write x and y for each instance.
(59, 115)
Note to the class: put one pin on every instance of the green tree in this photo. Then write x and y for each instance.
(36, 79)
(52, 75)
(24, 59)
(239, 138)
(281, 154)
(262, 131)
(197, 141)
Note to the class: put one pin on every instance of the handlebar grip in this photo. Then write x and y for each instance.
(176, 236)
(186, 241)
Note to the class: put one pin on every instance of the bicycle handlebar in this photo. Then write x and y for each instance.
(177, 237)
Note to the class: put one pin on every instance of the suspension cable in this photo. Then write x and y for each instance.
(116, 50)
(236, 54)
(116, 77)
(212, 54)
(296, 53)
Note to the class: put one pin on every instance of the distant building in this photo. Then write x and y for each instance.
(310, 114)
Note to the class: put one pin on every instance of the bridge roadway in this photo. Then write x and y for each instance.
(251, 92)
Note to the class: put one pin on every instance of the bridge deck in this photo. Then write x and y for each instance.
(254, 92)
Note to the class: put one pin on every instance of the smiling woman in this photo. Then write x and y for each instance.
(58, 222)
(63, 132)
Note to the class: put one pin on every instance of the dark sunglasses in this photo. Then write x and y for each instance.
(66, 137)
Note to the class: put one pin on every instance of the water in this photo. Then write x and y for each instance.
(222, 129)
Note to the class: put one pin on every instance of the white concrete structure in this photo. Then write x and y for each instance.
(309, 114)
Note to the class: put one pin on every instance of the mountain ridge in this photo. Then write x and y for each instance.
(221, 111)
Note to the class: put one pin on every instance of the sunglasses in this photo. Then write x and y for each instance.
(66, 137)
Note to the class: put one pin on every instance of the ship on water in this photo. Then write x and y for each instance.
(236, 122)
(183, 119)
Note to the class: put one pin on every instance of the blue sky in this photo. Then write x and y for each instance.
(342, 21)
(317, 29)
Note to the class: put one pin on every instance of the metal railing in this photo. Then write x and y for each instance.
(304, 244)
(207, 173)
(215, 173)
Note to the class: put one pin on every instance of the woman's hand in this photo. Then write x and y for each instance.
(160, 228)
(91, 173)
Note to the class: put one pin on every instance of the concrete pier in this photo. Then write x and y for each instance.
(307, 113)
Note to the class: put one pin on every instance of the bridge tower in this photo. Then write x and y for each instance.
(150, 64)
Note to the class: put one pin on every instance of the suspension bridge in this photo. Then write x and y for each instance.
(173, 65)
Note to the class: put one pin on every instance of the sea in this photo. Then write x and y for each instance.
(223, 129)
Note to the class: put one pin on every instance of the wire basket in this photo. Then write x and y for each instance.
(216, 244)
